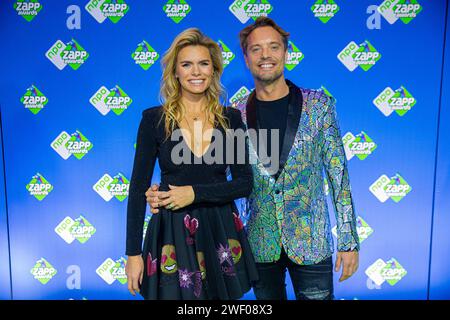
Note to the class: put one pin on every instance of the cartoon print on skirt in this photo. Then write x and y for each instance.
(185, 278)
(236, 250)
(225, 259)
(201, 264)
(192, 226)
(151, 265)
(237, 222)
(168, 259)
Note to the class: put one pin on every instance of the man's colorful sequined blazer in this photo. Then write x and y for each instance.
(291, 209)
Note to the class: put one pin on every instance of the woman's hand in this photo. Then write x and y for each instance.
(152, 196)
(177, 197)
(134, 271)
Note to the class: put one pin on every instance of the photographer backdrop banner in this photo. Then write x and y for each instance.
(76, 76)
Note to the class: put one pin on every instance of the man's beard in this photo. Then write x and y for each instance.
(269, 79)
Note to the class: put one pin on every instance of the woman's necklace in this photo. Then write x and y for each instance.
(195, 117)
(197, 137)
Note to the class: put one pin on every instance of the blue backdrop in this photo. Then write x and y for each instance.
(440, 263)
(404, 237)
(5, 277)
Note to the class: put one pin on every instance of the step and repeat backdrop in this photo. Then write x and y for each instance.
(76, 75)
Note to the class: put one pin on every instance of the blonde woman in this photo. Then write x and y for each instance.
(195, 247)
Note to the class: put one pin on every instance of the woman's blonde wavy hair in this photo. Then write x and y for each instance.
(170, 92)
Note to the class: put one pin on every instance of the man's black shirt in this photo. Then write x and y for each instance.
(273, 115)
